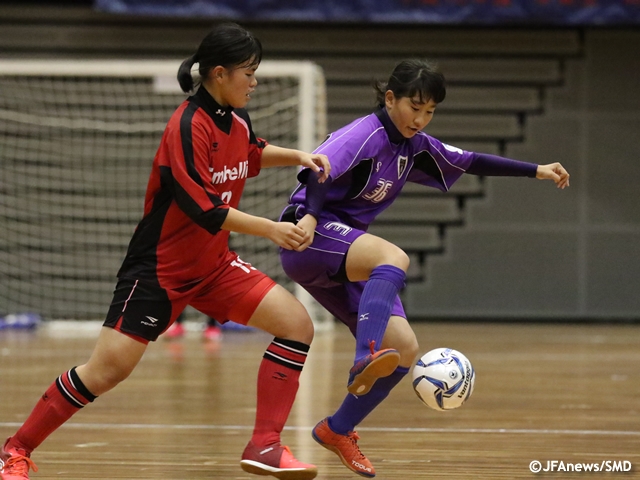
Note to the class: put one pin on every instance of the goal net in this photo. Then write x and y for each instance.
(77, 140)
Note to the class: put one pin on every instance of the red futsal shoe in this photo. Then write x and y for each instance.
(175, 331)
(15, 463)
(276, 460)
(212, 333)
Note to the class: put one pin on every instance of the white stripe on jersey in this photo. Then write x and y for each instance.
(444, 180)
(242, 122)
(444, 158)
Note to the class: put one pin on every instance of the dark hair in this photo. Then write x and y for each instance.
(228, 45)
(411, 78)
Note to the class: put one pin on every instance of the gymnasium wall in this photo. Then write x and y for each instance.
(523, 249)
(529, 250)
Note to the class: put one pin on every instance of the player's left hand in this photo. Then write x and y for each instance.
(555, 172)
(317, 162)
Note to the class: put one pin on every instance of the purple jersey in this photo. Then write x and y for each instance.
(370, 163)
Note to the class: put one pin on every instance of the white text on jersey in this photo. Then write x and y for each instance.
(235, 173)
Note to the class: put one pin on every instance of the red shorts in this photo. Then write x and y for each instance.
(143, 309)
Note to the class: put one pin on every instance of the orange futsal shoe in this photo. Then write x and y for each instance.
(367, 370)
(345, 446)
(276, 460)
(15, 463)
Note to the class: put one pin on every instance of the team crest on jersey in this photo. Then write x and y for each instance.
(402, 165)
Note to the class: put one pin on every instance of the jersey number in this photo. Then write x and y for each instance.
(242, 265)
(380, 191)
(226, 197)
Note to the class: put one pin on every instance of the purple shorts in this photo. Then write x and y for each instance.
(320, 269)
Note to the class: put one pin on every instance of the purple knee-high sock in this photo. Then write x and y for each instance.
(374, 310)
(354, 409)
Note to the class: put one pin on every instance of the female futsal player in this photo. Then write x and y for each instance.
(356, 275)
(179, 256)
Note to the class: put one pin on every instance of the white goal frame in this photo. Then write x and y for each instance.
(312, 122)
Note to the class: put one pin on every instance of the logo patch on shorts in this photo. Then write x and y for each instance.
(153, 321)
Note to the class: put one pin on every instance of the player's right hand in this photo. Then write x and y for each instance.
(308, 223)
(288, 236)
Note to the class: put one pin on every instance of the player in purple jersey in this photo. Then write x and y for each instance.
(356, 275)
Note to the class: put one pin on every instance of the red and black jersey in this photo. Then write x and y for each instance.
(206, 154)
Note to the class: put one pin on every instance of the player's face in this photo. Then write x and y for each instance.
(237, 84)
(409, 115)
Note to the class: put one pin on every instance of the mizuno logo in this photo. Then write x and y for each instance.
(364, 316)
(220, 112)
(152, 319)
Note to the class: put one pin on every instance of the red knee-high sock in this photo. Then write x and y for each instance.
(62, 399)
(277, 386)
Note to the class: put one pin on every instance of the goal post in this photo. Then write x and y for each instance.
(77, 140)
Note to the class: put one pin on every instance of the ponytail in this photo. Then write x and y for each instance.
(381, 90)
(185, 79)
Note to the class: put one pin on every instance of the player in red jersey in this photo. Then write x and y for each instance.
(179, 256)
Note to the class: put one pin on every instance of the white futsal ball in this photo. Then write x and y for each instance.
(443, 379)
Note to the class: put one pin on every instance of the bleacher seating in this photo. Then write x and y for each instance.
(497, 78)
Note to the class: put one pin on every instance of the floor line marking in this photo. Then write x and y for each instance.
(519, 431)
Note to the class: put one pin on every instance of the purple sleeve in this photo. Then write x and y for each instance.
(494, 166)
(316, 194)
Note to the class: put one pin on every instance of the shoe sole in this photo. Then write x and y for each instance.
(344, 461)
(258, 468)
(383, 366)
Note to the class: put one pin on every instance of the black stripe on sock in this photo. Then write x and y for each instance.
(82, 390)
(303, 347)
(279, 361)
(67, 396)
(297, 348)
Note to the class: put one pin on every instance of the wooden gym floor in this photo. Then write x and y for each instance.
(544, 392)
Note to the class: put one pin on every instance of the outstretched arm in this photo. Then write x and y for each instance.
(493, 165)
(273, 156)
(284, 234)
